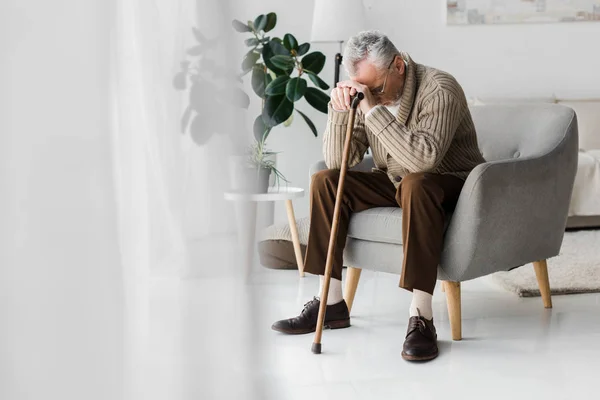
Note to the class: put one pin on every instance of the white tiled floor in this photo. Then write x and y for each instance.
(208, 340)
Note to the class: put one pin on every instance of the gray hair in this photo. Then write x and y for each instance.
(371, 45)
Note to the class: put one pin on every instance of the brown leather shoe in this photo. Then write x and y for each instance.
(336, 317)
(421, 340)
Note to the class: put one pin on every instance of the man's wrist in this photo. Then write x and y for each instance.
(337, 117)
(370, 111)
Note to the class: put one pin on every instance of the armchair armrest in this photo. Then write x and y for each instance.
(511, 212)
(316, 167)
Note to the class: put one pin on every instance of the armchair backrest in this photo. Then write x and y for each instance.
(509, 131)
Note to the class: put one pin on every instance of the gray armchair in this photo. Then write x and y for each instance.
(512, 209)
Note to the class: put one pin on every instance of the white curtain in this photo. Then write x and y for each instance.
(170, 190)
(150, 154)
(150, 159)
(173, 220)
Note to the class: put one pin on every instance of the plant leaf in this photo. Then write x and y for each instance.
(195, 50)
(249, 60)
(251, 51)
(295, 88)
(309, 123)
(278, 48)
(267, 53)
(240, 26)
(227, 97)
(206, 64)
(200, 130)
(320, 83)
(290, 42)
(303, 49)
(277, 87)
(282, 62)
(261, 131)
(199, 36)
(250, 42)
(259, 80)
(277, 109)
(317, 99)
(260, 22)
(180, 80)
(289, 121)
(185, 118)
(313, 62)
(199, 101)
(271, 21)
(240, 98)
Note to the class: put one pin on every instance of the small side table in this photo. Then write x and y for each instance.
(274, 194)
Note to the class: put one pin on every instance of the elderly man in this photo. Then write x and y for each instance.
(417, 123)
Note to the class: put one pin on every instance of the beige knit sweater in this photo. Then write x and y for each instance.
(432, 131)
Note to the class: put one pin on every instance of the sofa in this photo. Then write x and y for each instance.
(584, 210)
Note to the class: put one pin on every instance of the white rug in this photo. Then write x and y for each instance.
(575, 270)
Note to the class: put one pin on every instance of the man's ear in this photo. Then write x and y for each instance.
(400, 65)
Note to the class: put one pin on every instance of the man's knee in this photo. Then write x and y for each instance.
(325, 178)
(415, 185)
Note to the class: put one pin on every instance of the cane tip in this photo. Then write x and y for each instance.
(316, 348)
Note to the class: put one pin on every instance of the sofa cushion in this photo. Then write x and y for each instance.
(381, 224)
(278, 254)
(275, 247)
(588, 122)
(586, 189)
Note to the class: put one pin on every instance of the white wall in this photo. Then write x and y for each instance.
(496, 60)
(61, 299)
(499, 60)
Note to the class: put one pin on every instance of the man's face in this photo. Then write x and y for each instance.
(389, 80)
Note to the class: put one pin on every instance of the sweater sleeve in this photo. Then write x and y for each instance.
(423, 147)
(335, 135)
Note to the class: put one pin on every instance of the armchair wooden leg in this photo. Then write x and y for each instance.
(452, 290)
(541, 272)
(352, 278)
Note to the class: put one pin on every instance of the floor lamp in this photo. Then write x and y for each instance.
(335, 21)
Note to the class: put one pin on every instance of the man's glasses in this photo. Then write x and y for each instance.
(379, 91)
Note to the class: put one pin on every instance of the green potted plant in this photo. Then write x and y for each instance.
(279, 68)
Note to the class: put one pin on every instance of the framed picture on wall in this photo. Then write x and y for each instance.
(485, 12)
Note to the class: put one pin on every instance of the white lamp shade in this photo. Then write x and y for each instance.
(337, 20)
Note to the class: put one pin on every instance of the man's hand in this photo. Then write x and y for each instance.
(349, 89)
(340, 99)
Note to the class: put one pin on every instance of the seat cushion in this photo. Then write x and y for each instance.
(381, 224)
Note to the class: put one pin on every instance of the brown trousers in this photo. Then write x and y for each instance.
(424, 198)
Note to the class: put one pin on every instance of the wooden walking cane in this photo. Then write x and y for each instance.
(316, 346)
